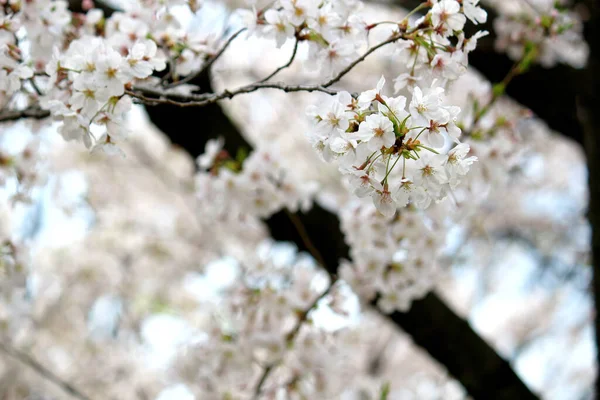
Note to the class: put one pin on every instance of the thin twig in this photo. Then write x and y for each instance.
(290, 61)
(193, 100)
(291, 336)
(394, 38)
(43, 371)
(208, 64)
(203, 100)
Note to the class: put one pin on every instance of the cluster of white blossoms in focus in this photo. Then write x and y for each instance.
(391, 150)
(91, 78)
(396, 150)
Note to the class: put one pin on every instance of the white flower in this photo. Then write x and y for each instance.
(394, 107)
(432, 175)
(392, 300)
(383, 201)
(366, 98)
(325, 21)
(87, 97)
(474, 12)
(362, 182)
(298, 11)
(457, 165)
(449, 66)
(407, 80)
(345, 146)
(408, 192)
(453, 130)
(378, 131)
(106, 146)
(76, 128)
(143, 59)
(278, 26)
(334, 118)
(336, 56)
(212, 149)
(426, 106)
(445, 15)
(110, 72)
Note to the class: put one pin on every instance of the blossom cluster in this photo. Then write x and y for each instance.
(79, 65)
(333, 30)
(262, 321)
(395, 260)
(90, 78)
(258, 185)
(436, 48)
(392, 151)
(553, 31)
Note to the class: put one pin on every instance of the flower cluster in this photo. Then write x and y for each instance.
(548, 31)
(395, 259)
(256, 186)
(391, 150)
(12, 72)
(262, 321)
(437, 48)
(332, 29)
(90, 78)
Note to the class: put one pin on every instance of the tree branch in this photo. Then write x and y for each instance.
(290, 61)
(26, 359)
(208, 64)
(161, 96)
(291, 336)
(31, 112)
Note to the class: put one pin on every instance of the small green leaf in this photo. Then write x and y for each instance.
(385, 391)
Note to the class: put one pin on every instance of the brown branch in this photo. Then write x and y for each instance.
(208, 64)
(142, 93)
(291, 336)
(290, 61)
(200, 100)
(31, 112)
(26, 359)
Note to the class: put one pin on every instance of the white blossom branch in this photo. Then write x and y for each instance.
(158, 96)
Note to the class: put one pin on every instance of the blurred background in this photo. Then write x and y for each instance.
(122, 277)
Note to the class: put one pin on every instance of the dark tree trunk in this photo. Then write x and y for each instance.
(589, 114)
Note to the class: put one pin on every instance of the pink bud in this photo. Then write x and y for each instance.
(87, 4)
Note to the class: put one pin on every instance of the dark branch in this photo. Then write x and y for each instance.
(208, 64)
(160, 96)
(290, 61)
(14, 115)
(26, 359)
